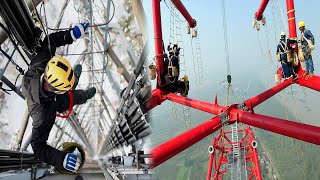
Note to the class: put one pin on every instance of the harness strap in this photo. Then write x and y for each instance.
(70, 107)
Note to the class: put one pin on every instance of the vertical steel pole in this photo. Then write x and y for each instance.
(255, 158)
(291, 19)
(158, 42)
(22, 129)
(293, 30)
(141, 17)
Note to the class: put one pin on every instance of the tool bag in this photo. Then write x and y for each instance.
(153, 71)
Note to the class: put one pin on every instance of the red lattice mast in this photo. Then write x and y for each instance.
(241, 156)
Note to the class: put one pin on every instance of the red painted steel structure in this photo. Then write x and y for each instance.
(259, 13)
(158, 44)
(312, 83)
(176, 145)
(291, 19)
(178, 4)
(158, 40)
(242, 113)
(304, 132)
(223, 148)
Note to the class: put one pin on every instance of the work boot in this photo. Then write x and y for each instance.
(90, 92)
(77, 69)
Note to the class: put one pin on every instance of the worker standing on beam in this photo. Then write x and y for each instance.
(307, 43)
(284, 53)
(45, 85)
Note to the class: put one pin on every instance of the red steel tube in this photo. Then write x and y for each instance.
(176, 145)
(200, 105)
(293, 30)
(313, 82)
(303, 132)
(259, 13)
(192, 22)
(255, 158)
(258, 99)
(158, 39)
(155, 100)
(291, 19)
(210, 167)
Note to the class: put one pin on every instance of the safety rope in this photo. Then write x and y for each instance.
(70, 107)
(226, 48)
(226, 44)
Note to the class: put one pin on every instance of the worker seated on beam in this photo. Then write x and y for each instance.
(172, 66)
(285, 56)
(45, 84)
(307, 45)
(183, 86)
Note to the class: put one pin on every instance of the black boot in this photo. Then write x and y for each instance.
(90, 92)
(82, 96)
(77, 69)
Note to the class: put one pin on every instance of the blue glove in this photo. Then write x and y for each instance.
(79, 30)
(71, 162)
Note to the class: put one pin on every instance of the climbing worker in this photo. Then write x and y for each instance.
(44, 86)
(307, 43)
(184, 86)
(284, 52)
(171, 64)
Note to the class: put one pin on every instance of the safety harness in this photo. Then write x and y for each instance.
(174, 69)
(70, 107)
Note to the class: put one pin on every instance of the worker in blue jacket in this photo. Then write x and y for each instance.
(307, 43)
(284, 49)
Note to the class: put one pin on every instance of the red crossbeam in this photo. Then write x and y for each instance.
(258, 99)
(262, 7)
(313, 82)
(304, 132)
(178, 144)
(192, 22)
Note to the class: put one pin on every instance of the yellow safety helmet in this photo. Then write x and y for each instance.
(282, 34)
(301, 24)
(59, 74)
(185, 78)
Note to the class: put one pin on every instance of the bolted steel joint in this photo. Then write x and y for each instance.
(224, 118)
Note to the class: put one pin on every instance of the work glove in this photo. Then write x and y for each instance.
(78, 30)
(71, 162)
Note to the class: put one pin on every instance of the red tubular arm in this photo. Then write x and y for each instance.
(313, 82)
(255, 158)
(258, 99)
(155, 100)
(259, 13)
(158, 39)
(176, 145)
(304, 132)
(192, 22)
(200, 105)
